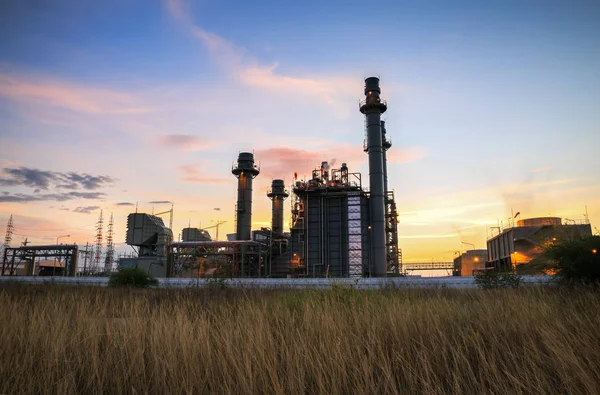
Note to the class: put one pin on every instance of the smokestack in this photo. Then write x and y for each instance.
(373, 107)
(245, 171)
(277, 196)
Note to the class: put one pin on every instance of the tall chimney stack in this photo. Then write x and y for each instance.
(245, 171)
(373, 107)
(277, 196)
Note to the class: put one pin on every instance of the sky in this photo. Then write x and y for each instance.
(493, 109)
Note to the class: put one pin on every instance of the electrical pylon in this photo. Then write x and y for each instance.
(99, 225)
(110, 248)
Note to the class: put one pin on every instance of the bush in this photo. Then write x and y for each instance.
(135, 277)
(577, 261)
(491, 279)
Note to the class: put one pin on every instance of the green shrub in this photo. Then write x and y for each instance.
(491, 279)
(577, 261)
(134, 277)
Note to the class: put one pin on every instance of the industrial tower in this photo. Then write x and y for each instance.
(277, 194)
(245, 171)
(8, 237)
(110, 249)
(372, 106)
(98, 243)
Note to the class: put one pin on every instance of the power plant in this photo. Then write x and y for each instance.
(338, 229)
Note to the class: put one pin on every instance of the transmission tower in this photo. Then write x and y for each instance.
(110, 248)
(8, 238)
(98, 243)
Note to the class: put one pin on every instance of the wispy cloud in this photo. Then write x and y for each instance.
(124, 204)
(32, 89)
(540, 169)
(193, 174)
(160, 202)
(86, 210)
(59, 197)
(248, 69)
(184, 142)
(43, 179)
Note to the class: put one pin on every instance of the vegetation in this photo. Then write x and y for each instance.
(127, 340)
(576, 261)
(490, 279)
(133, 277)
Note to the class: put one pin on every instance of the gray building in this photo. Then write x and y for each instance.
(519, 245)
(470, 262)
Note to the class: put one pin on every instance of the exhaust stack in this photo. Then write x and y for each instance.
(245, 170)
(277, 194)
(372, 106)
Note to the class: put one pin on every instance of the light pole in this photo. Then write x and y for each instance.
(54, 265)
(471, 244)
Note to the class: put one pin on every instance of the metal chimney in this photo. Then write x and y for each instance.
(372, 106)
(245, 171)
(277, 194)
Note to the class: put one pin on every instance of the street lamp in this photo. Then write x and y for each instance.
(58, 257)
(471, 244)
(60, 237)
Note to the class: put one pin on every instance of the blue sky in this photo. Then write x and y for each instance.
(492, 106)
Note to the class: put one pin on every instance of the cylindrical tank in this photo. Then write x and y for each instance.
(277, 196)
(373, 107)
(245, 171)
(540, 221)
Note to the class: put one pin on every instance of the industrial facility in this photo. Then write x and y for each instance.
(338, 229)
(341, 226)
(521, 244)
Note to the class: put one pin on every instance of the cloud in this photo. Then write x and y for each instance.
(59, 197)
(42, 180)
(237, 62)
(540, 169)
(193, 174)
(405, 155)
(160, 202)
(78, 98)
(86, 210)
(124, 204)
(184, 142)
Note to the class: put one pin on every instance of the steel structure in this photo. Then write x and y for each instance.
(8, 236)
(99, 226)
(428, 266)
(372, 107)
(277, 194)
(27, 255)
(240, 258)
(246, 171)
(330, 225)
(110, 248)
(149, 234)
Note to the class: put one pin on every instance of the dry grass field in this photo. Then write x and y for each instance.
(97, 340)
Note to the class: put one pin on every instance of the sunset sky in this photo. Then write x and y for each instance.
(492, 106)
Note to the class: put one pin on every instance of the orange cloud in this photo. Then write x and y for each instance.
(78, 98)
(193, 174)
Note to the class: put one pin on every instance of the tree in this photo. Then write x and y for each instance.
(576, 261)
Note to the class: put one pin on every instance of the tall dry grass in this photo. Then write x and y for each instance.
(92, 340)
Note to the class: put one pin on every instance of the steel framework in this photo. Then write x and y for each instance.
(27, 255)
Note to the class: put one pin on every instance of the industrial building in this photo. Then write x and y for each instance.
(520, 244)
(470, 262)
(338, 229)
